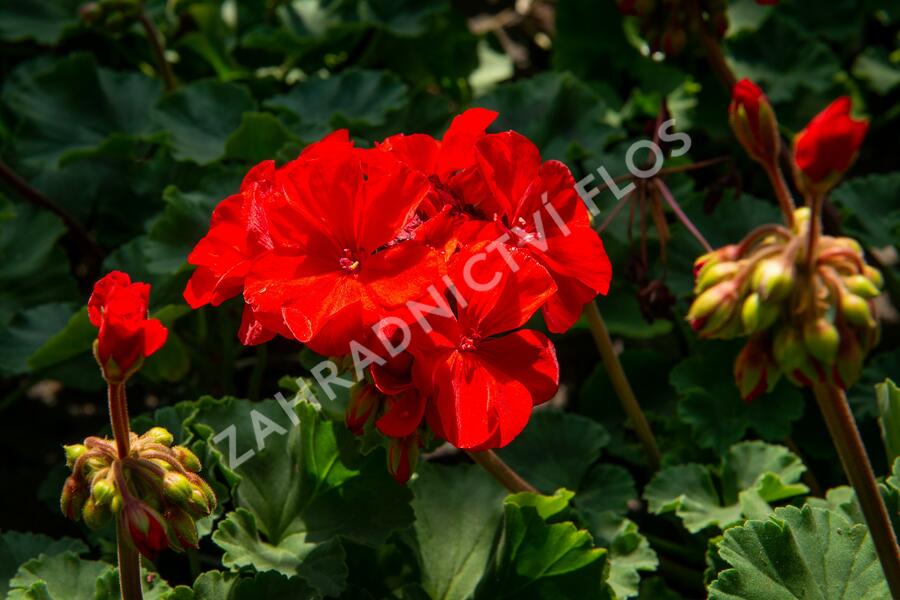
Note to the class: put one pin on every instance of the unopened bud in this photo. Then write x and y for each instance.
(402, 458)
(849, 362)
(715, 274)
(773, 279)
(177, 487)
(187, 459)
(95, 515)
(146, 528)
(102, 491)
(73, 453)
(801, 219)
(757, 315)
(159, 435)
(861, 286)
(856, 310)
(754, 371)
(822, 340)
(788, 349)
(182, 525)
(364, 401)
(75, 493)
(874, 275)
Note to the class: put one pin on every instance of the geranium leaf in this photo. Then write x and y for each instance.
(702, 496)
(541, 559)
(629, 552)
(869, 207)
(44, 21)
(799, 553)
(259, 137)
(17, 548)
(201, 116)
(354, 99)
(710, 403)
(300, 489)
(458, 510)
(70, 108)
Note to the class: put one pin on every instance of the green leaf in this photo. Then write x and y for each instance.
(556, 449)
(201, 116)
(44, 21)
(629, 552)
(301, 489)
(799, 553)
(354, 99)
(259, 138)
(70, 108)
(875, 67)
(701, 496)
(33, 268)
(17, 548)
(869, 207)
(458, 510)
(888, 395)
(710, 403)
(60, 577)
(784, 58)
(27, 332)
(75, 338)
(563, 116)
(539, 559)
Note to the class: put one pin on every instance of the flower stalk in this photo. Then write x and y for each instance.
(621, 385)
(502, 472)
(849, 446)
(159, 51)
(129, 565)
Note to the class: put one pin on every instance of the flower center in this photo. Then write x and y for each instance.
(468, 343)
(348, 262)
(524, 231)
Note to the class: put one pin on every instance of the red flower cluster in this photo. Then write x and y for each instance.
(119, 308)
(420, 258)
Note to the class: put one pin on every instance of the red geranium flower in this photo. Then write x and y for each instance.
(542, 214)
(829, 143)
(119, 308)
(483, 385)
(337, 263)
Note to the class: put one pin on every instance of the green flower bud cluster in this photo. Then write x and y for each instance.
(810, 320)
(155, 490)
(114, 16)
(665, 23)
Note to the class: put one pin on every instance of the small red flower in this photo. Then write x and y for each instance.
(119, 308)
(543, 215)
(829, 144)
(483, 385)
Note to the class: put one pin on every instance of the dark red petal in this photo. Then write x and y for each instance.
(155, 335)
(404, 413)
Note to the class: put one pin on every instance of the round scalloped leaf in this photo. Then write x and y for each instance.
(809, 553)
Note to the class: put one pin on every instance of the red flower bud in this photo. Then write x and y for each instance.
(364, 400)
(118, 308)
(754, 370)
(827, 147)
(145, 527)
(75, 493)
(754, 123)
(403, 456)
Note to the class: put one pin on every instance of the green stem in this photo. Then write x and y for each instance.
(159, 51)
(850, 449)
(129, 565)
(815, 230)
(711, 48)
(782, 193)
(118, 418)
(621, 385)
(502, 472)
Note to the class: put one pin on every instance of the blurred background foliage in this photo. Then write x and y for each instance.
(105, 168)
